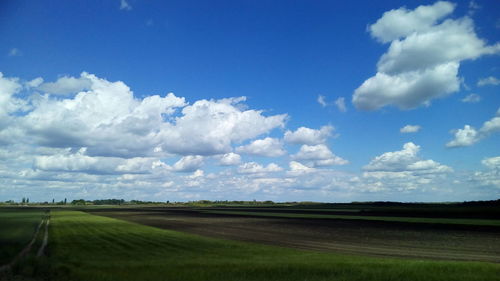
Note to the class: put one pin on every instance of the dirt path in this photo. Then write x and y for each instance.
(45, 238)
(352, 237)
(27, 249)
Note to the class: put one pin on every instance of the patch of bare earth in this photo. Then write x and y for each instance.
(371, 238)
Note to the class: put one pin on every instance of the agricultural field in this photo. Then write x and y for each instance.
(215, 243)
(457, 234)
(17, 227)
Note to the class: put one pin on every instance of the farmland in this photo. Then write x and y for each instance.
(17, 227)
(370, 230)
(247, 243)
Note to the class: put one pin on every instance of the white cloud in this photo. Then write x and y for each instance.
(406, 160)
(109, 121)
(464, 137)
(256, 168)
(395, 161)
(469, 135)
(309, 136)
(9, 104)
(317, 156)
(488, 81)
(340, 103)
(402, 22)
(269, 147)
(472, 98)
(15, 52)
(297, 169)
(230, 159)
(82, 163)
(188, 163)
(67, 85)
(408, 89)
(403, 170)
(423, 58)
(490, 177)
(35, 82)
(410, 129)
(321, 100)
(210, 127)
(492, 162)
(124, 5)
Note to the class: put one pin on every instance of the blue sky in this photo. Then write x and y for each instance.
(328, 87)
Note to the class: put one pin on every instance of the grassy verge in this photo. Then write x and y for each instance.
(89, 247)
(460, 221)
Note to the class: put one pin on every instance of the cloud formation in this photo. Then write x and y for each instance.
(472, 98)
(268, 147)
(65, 85)
(404, 169)
(317, 156)
(488, 81)
(469, 135)
(423, 58)
(410, 129)
(304, 135)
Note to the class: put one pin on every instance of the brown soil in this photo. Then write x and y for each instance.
(373, 238)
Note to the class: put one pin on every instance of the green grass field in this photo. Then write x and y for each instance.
(17, 227)
(460, 221)
(89, 247)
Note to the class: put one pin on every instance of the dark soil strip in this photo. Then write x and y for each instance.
(371, 238)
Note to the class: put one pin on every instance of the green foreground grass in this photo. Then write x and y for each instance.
(89, 247)
(17, 227)
(460, 221)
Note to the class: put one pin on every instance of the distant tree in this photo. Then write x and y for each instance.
(78, 202)
(65, 201)
(24, 200)
(53, 200)
(27, 200)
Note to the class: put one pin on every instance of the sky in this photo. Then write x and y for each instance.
(330, 101)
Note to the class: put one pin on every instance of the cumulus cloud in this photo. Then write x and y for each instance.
(269, 147)
(230, 159)
(304, 135)
(188, 163)
(66, 85)
(317, 156)
(469, 135)
(464, 137)
(423, 58)
(488, 81)
(297, 169)
(211, 127)
(34, 83)
(398, 23)
(410, 129)
(110, 121)
(256, 168)
(489, 177)
(403, 160)
(403, 170)
(472, 98)
(8, 88)
(82, 163)
(492, 162)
